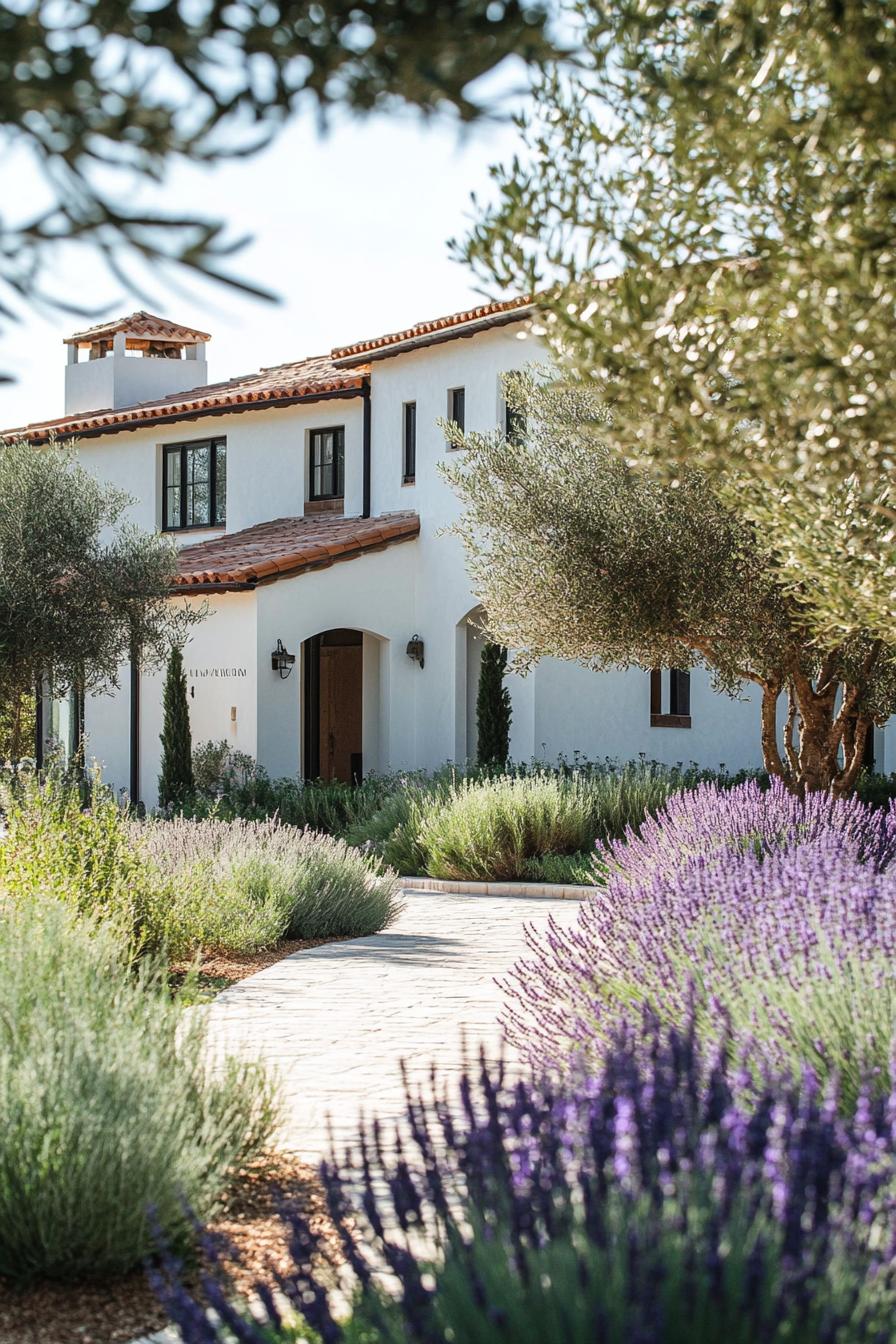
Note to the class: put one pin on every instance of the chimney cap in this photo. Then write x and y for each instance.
(140, 329)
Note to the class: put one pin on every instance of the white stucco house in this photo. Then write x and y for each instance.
(308, 512)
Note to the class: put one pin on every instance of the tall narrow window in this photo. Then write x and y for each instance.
(327, 447)
(514, 424)
(670, 698)
(457, 407)
(194, 485)
(409, 443)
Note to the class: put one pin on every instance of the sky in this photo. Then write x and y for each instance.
(350, 230)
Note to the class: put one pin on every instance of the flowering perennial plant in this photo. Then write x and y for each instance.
(709, 822)
(797, 945)
(654, 1201)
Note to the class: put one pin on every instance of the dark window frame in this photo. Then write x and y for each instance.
(408, 442)
(460, 420)
(181, 452)
(316, 435)
(679, 713)
(514, 424)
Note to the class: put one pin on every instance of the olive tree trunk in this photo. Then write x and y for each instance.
(824, 737)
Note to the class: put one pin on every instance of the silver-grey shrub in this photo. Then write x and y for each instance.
(243, 885)
(108, 1107)
(492, 828)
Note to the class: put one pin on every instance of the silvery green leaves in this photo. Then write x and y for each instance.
(576, 552)
(736, 163)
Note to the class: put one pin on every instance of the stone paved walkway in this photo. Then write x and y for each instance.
(336, 1021)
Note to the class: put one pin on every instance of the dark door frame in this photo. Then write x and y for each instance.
(311, 700)
(311, 706)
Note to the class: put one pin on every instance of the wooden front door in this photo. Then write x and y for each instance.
(341, 673)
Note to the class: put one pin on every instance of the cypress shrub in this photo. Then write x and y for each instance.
(493, 712)
(176, 780)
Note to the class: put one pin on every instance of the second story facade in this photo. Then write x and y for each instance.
(353, 433)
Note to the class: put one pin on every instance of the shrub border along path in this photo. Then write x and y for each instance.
(339, 1020)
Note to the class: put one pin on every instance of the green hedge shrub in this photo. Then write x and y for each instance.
(107, 1105)
(408, 830)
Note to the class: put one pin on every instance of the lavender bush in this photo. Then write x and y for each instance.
(649, 1203)
(242, 885)
(774, 910)
(708, 822)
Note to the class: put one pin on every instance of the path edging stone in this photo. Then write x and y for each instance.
(555, 891)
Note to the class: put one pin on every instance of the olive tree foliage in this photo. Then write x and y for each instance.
(99, 94)
(576, 554)
(733, 164)
(79, 587)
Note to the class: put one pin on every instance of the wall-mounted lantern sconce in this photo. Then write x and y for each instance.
(282, 661)
(415, 650)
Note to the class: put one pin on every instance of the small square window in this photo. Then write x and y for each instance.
(676, 692)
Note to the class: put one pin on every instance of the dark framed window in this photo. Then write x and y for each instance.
(327, 462)
(514, 424)
(674, 692)
(457, 406)
(409, 443)
(194, 484)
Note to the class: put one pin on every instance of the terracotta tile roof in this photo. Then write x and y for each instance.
(303, 380)
(439, 329)
(287, 546)
(145, 326)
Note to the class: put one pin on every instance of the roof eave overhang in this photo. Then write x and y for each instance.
(249, 585)
(420, 342)
(41, 436)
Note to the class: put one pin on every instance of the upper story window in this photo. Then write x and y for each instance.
(514, 424)
(327, 454)
(457, 407)
(409, 443)
(194, 484)
(672, 688)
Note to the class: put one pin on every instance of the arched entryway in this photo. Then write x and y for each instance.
(333, 673)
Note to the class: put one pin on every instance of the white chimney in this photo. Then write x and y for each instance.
(137, 358)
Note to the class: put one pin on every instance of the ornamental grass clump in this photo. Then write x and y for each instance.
(244, 885)
(491, 829)
(796, 949)
(652, 1201)
(110, 1117)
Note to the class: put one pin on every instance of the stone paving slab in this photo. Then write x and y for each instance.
(336, 1021)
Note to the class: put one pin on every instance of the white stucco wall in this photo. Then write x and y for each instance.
(411, 717)
(267, 453)
(123, 380)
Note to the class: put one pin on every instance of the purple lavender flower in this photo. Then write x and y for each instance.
(655, 1202)
(776, 915)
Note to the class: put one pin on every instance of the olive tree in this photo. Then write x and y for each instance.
(80, 588)
(97, 95)
(575, 554)
(732, 163)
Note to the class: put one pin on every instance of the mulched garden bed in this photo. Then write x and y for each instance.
(114, 1312)
(217, 970)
